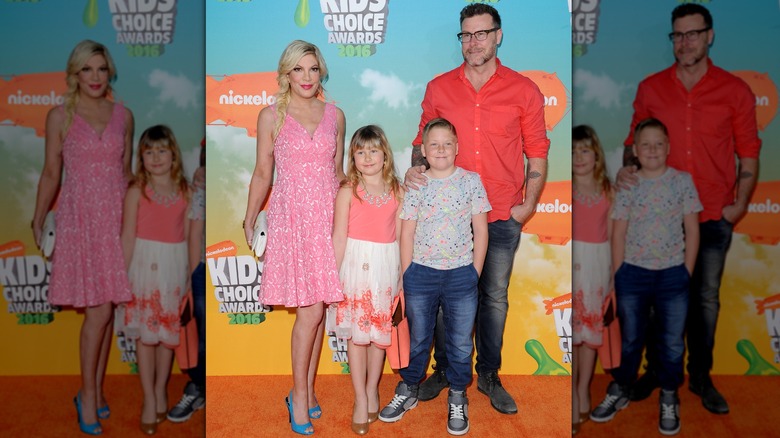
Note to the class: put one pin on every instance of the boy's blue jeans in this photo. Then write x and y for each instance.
(503, 240)
(666, 291)
(455, 290)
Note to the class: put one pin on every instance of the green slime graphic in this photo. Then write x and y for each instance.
(758, 366)
(547, 365)
(90, 16)
(302, 13)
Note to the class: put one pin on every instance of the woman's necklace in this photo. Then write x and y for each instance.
(164, 199)
(375, 200)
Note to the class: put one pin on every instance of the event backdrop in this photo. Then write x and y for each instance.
(157, 46)
(613, 51)
(380, 56)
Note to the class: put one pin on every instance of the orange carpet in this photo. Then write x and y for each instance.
(42, 406)
(253, 406)
(753, 401)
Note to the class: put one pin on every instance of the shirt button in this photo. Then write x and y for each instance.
(477, 152)
(477, 128)
(688, 128)
(477, 104)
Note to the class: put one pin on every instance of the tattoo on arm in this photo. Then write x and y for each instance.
(629, 159)
(745, 174)
(534, 174)
(417, 157)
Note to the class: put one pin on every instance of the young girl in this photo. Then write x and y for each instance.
(153, 235)
(591, 256)
(365, 237)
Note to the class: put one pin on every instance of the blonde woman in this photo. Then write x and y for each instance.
(304, 138)
(91, 138)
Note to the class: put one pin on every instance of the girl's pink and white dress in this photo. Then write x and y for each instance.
(300, 263)
(88, 268)
(158, 271)
(370, 271)
(591, 271)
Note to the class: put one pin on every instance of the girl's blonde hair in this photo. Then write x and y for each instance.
(586, 136)
(367, 137)
(76, 61)
(290, 57)
(162, 136)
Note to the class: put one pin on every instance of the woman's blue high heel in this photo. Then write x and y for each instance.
(89, 429)
(316, 412)
(104, 413)
(303, 429)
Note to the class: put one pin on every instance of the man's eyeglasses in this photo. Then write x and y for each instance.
(480, 35)
(691, 35)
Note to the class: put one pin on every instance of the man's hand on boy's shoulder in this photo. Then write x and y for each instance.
(414, 178)
(626, 177)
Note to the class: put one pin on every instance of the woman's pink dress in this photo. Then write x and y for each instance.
(88, 267)
(300, 263)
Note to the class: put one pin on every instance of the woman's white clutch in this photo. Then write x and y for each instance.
(261, 234)
(47, 235)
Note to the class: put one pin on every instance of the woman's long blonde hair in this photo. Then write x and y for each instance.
(290, 57)
(586, 136)
(160, 135)
(78, 57)
(371, 136)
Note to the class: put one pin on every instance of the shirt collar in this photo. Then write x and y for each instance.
(499, 69)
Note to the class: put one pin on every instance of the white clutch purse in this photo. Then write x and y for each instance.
(260, 235)
(47, 235)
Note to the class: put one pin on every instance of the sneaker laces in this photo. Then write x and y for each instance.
(397, 401)
(185, 401)
(456, 412)
(668, 412)
(608, 401)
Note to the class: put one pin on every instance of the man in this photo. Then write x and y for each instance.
(500, 117)
(711, 118)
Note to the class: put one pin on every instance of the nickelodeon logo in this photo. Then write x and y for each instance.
(26, 99)
(35, 99)
(556, 100)
(762, 100)
(765, 207)
(552, 221)
(234, 100)
(263, 98)
(553, 207)
(766, 95)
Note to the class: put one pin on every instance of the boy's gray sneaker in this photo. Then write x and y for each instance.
(669, 418)
(616, 399)
(192, 400)
(458, 413)
(405, 398)
(433, 385)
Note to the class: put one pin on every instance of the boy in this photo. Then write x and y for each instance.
(441, 266)
(655, 238)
